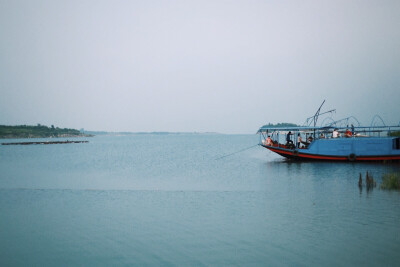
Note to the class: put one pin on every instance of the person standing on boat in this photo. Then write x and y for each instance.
(299, 140)
(352, 129)
(335, 133)
(288, 140)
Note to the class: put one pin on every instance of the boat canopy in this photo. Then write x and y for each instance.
(265, 129)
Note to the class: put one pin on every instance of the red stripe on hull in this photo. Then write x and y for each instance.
(299, 155)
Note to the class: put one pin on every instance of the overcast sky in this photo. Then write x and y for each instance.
(219, 66)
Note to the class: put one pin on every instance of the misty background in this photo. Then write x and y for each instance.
(207, 66)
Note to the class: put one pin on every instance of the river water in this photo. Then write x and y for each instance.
(167, 200)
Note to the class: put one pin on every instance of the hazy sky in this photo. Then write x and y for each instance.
(222, 66)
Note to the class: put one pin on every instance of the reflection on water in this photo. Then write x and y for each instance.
(165, 200)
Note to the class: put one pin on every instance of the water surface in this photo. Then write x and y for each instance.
(166, 200)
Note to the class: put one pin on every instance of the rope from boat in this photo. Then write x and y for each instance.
(244, 149)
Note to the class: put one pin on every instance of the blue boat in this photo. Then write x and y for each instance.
(333, 143)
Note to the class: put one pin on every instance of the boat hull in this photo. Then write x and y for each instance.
(303, 154)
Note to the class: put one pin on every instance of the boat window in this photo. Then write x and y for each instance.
(396, 143)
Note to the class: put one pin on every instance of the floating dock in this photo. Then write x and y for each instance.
(45, 143)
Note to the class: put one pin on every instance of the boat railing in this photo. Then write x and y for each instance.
(279, 134)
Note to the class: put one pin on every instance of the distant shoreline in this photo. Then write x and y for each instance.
(144, 133)
(42, 131)
(38, 131)
(37, 137)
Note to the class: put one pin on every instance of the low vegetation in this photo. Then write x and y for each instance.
(39, 131)
(394, 133)
(391, 181)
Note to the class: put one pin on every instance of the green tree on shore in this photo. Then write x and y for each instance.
(39, 131)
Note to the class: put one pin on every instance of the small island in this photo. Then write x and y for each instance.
(38, 131)
(280, 124)
(394, 133)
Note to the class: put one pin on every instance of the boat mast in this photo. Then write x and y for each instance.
(315, 117)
